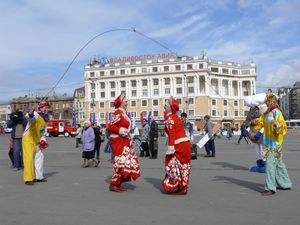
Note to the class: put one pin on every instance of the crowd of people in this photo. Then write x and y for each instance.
(28, 142)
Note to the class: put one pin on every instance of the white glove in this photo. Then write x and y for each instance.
(123, 131)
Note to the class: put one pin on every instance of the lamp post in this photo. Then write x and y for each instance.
(186, 95)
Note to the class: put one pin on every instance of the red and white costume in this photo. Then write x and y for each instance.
(125, 165)
(178, 156)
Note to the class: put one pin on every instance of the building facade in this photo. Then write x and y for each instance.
(285, 101)
(5, 110)
(202, 86)
(61, 106)
(295, 101)
(79, 105)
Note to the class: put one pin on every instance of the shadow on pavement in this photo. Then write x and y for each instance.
(50, 174)
(230, 165)
(247, 184)
(156, 183)
(125, 185)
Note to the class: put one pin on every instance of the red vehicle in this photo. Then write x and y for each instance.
(57, 127)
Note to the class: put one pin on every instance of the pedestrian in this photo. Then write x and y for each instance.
(78, 135)
(210, 144)
(178, 155)
(31, 138)
(229, 132)
(145, 139)
(88, 145)
(153, 138)
(125, 164)
(274, 129)
(243, 128)
(188, 127)
(98, 135)
(18, 123)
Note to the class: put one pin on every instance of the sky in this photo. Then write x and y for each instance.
(39, 39)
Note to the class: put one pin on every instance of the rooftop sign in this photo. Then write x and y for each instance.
(141, 57)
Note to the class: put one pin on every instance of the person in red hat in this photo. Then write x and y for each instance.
(125, 164)
(178, 155)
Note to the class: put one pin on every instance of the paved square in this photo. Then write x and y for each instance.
(222, 190)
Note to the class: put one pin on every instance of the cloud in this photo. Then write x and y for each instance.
(178, 27)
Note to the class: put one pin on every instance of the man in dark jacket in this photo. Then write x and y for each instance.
(98, 135)
(18, 123)
(153, 138)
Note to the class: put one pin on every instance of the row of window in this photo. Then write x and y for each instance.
(155, 102)
(156, 69)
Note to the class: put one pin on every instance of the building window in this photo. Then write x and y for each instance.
(133, 103)
(245, 72)
(123, 83)
(167, 81)
(112, 94)
(133, 93)
(201, 66)
(189, 66)
(213, 102)
(144, 92)
(92, 96)
(178, 80)
(155, 113)
(155, 102)
(191, 112)
(132, 70)
(234, 72)
(101, 104)
(236, 113)
(102, 94)
(112, 84)
(155, 91)
(191, 90)
(122, 72)
(225, 102)
(111, 104)
(215, 69)
(225, 113)
(102, 85)
(179, 91)
(190, 80)
(144, 70)
(154, 69)
(236, 103)
(177, 67)
(133, 83)
(179, 100)
(191, 101)
(213, 112)
(102, 115)
(112, 72)
(144, 82)
(166, 68)
(167, 91)
(155, 82)
(225, 70)
(144, 102)
(101, 73)
(93, 86)
(92, 74)
(133, 114)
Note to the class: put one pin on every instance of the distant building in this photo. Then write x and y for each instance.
(295, 101)
(5, 110)
(202, 86)
(285, 101)
(79, 105)
(61, 106)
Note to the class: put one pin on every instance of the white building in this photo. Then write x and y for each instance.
(5, 110)
(202, 86)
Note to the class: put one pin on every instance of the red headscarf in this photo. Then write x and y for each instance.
(173, 104)
(119, 100)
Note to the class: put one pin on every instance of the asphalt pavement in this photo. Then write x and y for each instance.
(222, 190)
